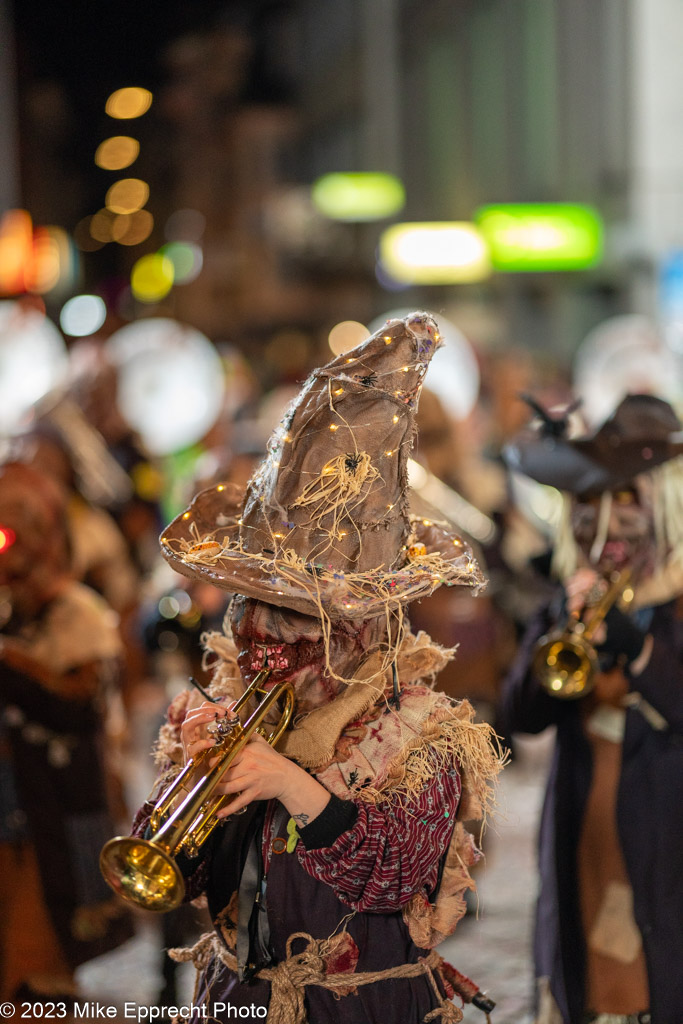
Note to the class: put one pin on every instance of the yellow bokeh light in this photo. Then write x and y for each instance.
(435, 253)
(82, 237)
(127, 103)
(101, 225)
(133, 228)
(120, 225)
(151, 278)
(127, 195)
(117, 152)
(346, 335)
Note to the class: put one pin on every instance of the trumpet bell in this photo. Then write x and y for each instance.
(142, 873)
(565, 665)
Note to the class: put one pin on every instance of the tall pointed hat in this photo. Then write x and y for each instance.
(326, 524)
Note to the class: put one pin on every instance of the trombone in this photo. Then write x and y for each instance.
(565, 661)
(144, 871)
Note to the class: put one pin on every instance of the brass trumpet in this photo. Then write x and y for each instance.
(565, 661)
(144, 871)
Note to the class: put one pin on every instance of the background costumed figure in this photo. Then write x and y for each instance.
(610, 908)
(60, 651)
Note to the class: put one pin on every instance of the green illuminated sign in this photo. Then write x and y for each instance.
(358, 196)
(541, 236)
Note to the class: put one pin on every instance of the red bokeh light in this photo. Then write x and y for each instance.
(7, 538)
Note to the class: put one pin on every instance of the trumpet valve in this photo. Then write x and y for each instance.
(190, 847)
(223, 727)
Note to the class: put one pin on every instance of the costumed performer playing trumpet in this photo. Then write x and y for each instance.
(349, 863)
(610, 909)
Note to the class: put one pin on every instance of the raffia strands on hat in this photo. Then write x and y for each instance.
(325, 526)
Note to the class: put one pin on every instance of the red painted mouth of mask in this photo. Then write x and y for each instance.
(283, 660)
(268, 656)
(618, 553)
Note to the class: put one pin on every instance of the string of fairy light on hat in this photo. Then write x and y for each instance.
(331, 495)
(339, 486)
(349, 333)
(345, 476)
(368, 592)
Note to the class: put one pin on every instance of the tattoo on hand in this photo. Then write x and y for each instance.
(301, 819)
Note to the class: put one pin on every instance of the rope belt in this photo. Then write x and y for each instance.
(289, 979)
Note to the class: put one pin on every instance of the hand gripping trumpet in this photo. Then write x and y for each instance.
(565, 660)
(144, 871)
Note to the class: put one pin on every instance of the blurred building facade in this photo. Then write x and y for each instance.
(470, 103)
(481, 102)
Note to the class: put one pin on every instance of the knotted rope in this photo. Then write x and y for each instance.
(289, 979)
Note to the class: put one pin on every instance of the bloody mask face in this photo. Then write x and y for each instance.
(629, 537)
(292, 644)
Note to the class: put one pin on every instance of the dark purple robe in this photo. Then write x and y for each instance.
(295, 899)
(649, 819)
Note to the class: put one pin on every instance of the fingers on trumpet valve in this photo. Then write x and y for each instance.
(584, 590)
(195, 747)
(199, 730)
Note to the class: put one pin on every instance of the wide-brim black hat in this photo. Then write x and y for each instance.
(642, 433)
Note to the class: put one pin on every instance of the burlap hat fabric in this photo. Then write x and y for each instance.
(325, 523)
(642, 433)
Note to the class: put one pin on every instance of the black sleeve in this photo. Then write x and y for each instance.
(661, 681)
(624, 638)
(338, 817)
(524, 705)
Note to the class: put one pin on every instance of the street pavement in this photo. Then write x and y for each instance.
(491, 945)
(494, 947)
